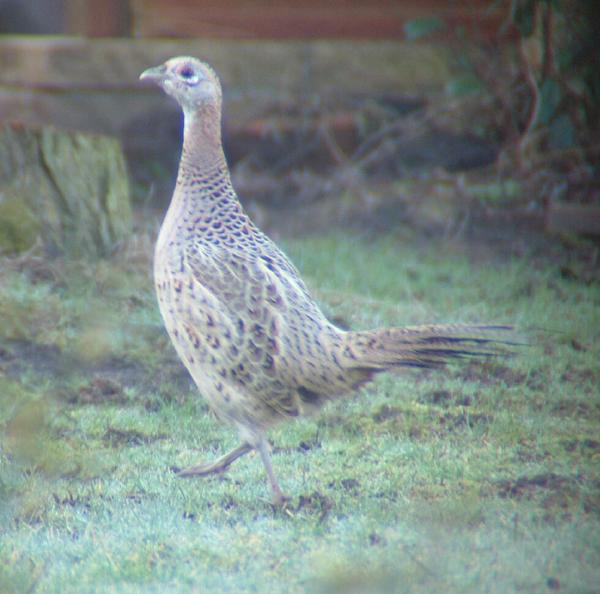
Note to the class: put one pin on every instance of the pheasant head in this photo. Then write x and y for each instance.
(192, 83)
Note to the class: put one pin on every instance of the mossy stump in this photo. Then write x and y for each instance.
(68, 188)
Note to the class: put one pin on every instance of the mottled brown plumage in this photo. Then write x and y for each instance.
(240, 317)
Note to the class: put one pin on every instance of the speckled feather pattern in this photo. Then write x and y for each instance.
(239, 315)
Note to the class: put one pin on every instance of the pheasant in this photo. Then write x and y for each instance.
(237, 311)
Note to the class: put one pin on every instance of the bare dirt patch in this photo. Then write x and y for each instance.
(452, 421)
(490, 374)
(315, 504)
(576, 408)
(108, 378)
(99, 390)
(526, 487)
(554, 492)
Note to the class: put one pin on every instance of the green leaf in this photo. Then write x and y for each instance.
(523, 16)
(464, 85)
(422, 27)
(550, 98)
(590, 78)
(561, 134)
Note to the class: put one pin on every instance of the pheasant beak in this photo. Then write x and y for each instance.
(155, 74)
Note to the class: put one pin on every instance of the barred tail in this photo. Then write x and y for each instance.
(369, 352)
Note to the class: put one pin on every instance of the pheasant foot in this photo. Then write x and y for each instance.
(217, 466)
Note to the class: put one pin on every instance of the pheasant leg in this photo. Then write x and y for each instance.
(279, 499)
(219, 465)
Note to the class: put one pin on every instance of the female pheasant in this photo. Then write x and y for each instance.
(237, 311)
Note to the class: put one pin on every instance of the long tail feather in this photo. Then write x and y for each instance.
(425, 346)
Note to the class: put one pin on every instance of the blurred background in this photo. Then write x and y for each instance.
(452, 117)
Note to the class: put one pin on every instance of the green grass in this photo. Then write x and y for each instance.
(478, 478)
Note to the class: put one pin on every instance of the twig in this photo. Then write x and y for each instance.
(525, 137)
(332, 145)
(548, 29)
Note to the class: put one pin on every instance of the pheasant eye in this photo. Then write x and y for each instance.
(187, 73)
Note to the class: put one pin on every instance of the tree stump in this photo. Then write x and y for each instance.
(68, 188)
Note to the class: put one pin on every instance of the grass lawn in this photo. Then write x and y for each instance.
(477, 478)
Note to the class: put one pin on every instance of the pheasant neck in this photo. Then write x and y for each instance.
(204, 191)
(202, 154)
